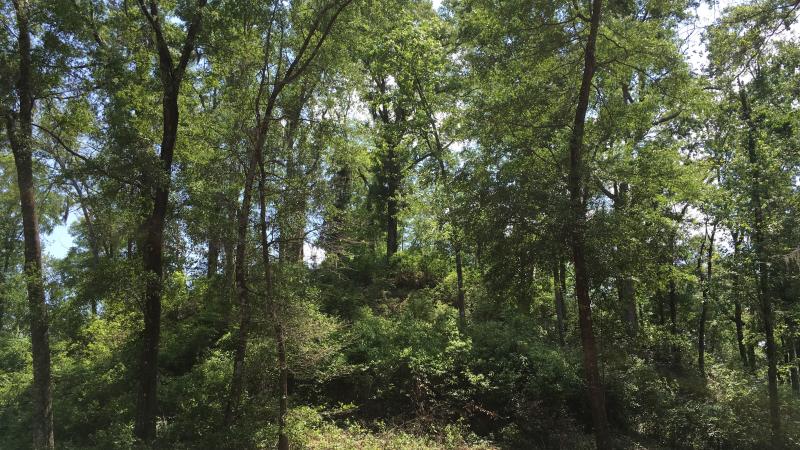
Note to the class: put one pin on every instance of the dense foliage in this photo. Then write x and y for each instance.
(392, 224)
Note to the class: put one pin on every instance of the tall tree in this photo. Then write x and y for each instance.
(396, 80)
(19, 130)
(705, 281)
(171, 74)
(290, 63)
(577, 232)
(761, 268)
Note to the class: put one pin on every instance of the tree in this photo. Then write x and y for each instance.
(577, 237)
(591, 235)
(171, 75)
(19, 131)
(304, 50)
(398, 107)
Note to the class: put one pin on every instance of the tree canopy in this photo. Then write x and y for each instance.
(397, 224)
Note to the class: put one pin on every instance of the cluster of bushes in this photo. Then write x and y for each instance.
(393, 351)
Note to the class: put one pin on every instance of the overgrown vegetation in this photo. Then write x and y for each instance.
(337, 224)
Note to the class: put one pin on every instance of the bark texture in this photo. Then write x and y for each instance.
(152, 234)
(577, 228)
(19, 129)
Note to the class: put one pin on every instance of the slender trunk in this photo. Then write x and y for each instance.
(462, 314)
(627, 296)
(242, 295)
(20, 134)
(334, 222)
(701, 329)
(392, 207)
(230, 279)
(292, 216)
(272, 310)
(626, 288)
(761, 269)
(559, 303)
(577, 228)
(152, 246)
(94, 246)
(790, 349)
(213, 257)
(673, 322)
(788, 359)
(562, 271)
(793, 367)
(306, 53)
(3, 295)
(702, 321)
(737, 303)
(228, 258)
(94, 241)
(283, 405)
(240, 265)
(737, 318)
(672, 294)
(751, 356)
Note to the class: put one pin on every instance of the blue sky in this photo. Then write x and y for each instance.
(58, 243)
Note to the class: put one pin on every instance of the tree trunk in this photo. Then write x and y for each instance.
(263, 120)
(761, 269)
(793, 367)
(577, 229)
(673, 323)
(627, 297)
(152, 246)
(701, 329)
(272, 310)
(626, 288)
(94, 241)
(560, 307)
(334, 221)
(292, 214)
(94, 245)
(751, 356)
(242, 292)
(19, 127)
(3, 295)
(737, 318)
(392, 208)
(230, 278)
(152, 257)
(213, 257)
(462, 313)
(737, 303)
(240, 265)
